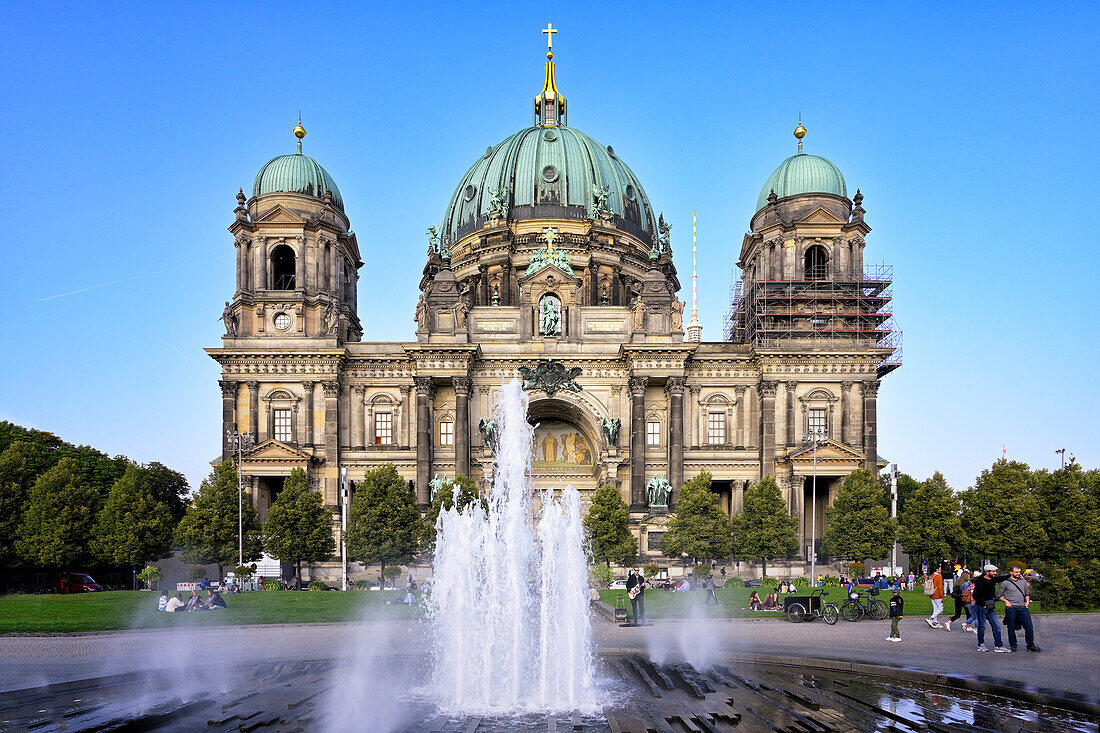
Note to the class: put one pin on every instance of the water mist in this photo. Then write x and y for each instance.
(509, 599)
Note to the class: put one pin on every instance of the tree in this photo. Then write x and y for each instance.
(448, 498)
(133, 526)
(168, 487)
(208, 531)
(384, 524)
(1070, 508)
(298, 527)
(607, 522)
(857, 525)
(20, 466)
(765, 530)
(700, 528)
(1001, 516)
(930, 526)
(57, 524)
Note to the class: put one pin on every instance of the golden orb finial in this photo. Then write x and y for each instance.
(800, 131)
(299, 131)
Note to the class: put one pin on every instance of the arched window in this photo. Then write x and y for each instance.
(817, 263)
(282, 268)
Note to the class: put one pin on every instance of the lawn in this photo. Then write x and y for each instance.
(137, 610)
(666, 604)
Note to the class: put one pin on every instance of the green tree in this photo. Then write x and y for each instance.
(607, 524)
(168, 487)
(1001, 516)
(298, 527)
(133, 526)
(700, 529)
(384, 524)
(447, 498)
(930, 526)
(1070, 510)
(208, 532)
(857, 525)
(60, 515)
(764, 529)
(20, 465)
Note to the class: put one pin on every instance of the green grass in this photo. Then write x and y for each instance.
(137, 610)
(666, 604)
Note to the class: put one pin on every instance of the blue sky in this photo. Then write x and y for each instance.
(128, 129)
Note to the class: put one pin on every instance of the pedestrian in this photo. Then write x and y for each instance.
(910, 581)
(935, 584)
(1017, 597)
(820, 580)
(985, 595)
(723, 575)
(710, 592)
(637, 599)
(956, 596)
(897, 610)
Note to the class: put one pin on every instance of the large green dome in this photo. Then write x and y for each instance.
(296, 173)
(548, 172)
(803, 173)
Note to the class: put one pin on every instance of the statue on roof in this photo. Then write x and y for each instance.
(498, 202)
(601, 206)
(663, 237)
(657, 492)
(433, 240)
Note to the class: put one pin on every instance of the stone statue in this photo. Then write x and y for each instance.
(436, 485)
(496, 295)
(550, 376)
(637, 308)
(329, 321)
(461, 311)
(657, 492)
(230, 320)
(549, 318)
(433, 240)
(599, 208)
(611, 430)
(421, 315)
(498, 202)
(488, 428)
(677, 315)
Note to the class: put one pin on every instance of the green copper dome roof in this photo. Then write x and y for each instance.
(548, 172)
(296, 173)
(803, 173)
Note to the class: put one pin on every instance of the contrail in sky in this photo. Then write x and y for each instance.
(173, 348)
(104, 285)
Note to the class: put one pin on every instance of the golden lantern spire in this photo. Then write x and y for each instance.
(550, 103)
(799, 132)
(299, 132)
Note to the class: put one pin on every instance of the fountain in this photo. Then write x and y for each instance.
(509, 600)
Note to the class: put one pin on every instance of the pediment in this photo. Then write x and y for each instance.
(821, 215)
(830, 450)
(279, 214)
(274, 451)
(549, 270)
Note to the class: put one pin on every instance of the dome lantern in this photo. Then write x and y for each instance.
(296, 173)
(550, 103)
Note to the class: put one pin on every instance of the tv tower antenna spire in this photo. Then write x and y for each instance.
(694, 329)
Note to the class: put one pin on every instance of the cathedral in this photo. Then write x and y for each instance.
(550, 264)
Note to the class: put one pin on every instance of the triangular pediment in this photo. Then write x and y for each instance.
(279, 214)
(549, 269)
(276, 452)
(821, 215)
(830, 450)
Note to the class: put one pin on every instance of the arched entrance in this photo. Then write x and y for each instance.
(567, 446)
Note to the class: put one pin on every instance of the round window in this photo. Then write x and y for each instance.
(611, 151)
(549, 174)
(470, 191)
(630, 192)
(549, 136)
(282, 321)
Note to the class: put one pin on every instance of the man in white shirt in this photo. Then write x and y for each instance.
(174, 603)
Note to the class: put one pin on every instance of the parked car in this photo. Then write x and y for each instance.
(617, 585)
(77, 583)
(752, 583)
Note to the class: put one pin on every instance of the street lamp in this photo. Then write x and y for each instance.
(344, 524)
(815, 439)
(239, 443)
(1062, 452)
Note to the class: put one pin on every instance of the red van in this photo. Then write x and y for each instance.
(77, 583)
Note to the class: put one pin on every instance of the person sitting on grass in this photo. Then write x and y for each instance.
(771, 602)
(754, 602)
(215, 601)
(194, 603)
(408, 600)
(163, 600)
(174, 604)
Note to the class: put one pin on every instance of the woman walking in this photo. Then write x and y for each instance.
(957, 597)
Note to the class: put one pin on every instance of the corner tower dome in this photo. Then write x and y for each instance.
(802, 173)
(549, 171)
(296, 173)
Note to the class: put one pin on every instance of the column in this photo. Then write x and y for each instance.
(845, 410)
(403, 427)
(238, 244)
(307, 399)
(767, 427)
(332, 442)
(424, 389)
(674, 388)
(506, 283)
(357, 406)
(743, 405)
(870, 425)
(637, 442)
(330, 265)
(594, 283)
(254, 410)
(693, 415)
(368, 423)
(483, 274)
(229, 414)
(259, 246)
(792, 436)
(616, 285)
(462, 424)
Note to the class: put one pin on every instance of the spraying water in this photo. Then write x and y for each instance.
(509, 600)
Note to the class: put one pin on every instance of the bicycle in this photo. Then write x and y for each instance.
(807, 608)
(854, 609)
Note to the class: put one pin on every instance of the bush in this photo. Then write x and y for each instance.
(801, 582)
(273, 584)
(391, 572)
(243, 572)
(150, 576)
(317, 585)
(701, 570)
(602, 575)
(1018, 564)
(735, 583)
(651, 570)
(196, 572)
(362, 585)
(831, 581)
(857, 569)
(769, 583)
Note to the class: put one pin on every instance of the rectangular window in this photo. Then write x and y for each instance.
(446, 433)
(654, 540)
(282, 425)
(383, 428)
(716, 428)
(653, 433)
(818, 426)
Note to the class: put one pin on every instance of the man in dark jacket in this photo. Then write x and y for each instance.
(637, 603)
(985, 599)
(897, 610)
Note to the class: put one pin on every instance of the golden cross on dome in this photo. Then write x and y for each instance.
(551, 234)
(549, 30)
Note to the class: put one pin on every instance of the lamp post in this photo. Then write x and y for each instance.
(239, 443)
(894, 515)
(815, 439)
(1062, 452)
(344, 524)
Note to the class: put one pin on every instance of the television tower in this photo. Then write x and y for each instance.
(694, 329)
